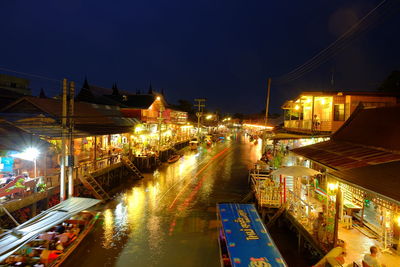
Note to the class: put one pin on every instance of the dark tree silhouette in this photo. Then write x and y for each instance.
(391, 83)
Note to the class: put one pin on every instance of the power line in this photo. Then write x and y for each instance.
(30, 74)
(376, 15)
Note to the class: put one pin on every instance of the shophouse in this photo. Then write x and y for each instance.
(358, 188)
(98, 132)
(158, 126)
(324, 112)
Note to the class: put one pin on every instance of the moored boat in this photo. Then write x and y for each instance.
(50, 237)
(174, 158)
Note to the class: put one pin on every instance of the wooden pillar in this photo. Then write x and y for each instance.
(336, 224)
(299, 243)
(129, 146)
(95, 152)
(45, 164)
(362, 210)
(33, 210)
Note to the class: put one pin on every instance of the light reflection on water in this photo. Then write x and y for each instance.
(108, 228)
(144, 228)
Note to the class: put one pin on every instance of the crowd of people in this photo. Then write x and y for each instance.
(46, 248)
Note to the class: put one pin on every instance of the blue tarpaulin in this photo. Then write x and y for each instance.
(247, 239)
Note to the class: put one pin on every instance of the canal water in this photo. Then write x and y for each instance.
(169, 217)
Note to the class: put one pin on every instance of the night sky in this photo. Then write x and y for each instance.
(220, 50)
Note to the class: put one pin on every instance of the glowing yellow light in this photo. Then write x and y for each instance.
(398, 220)
(108, 228)
(333, 187)
(308, 100)
(139, 128)
(209, 117)
(323, 101)
(297, 107)
(158, 98)
(258, 126)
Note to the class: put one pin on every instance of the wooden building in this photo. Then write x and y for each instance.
(325, 112)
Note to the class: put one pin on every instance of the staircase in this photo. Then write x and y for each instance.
(131, 167)
(91, 184)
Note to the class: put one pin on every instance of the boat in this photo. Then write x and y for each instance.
(32, 242)
(243, 238)
(193, 145)
(174, 158)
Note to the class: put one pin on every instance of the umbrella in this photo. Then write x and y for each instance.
(295, 171)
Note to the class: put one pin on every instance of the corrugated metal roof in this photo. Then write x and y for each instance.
(13, 138)
(42, 117)
(375, 127)
(381, 178)
(342, 155)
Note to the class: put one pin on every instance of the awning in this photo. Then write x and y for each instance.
(13, 240)
(13, 138)
(295, 171)
(286, 136)
(247, 239)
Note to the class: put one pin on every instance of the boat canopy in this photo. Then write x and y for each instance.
(247, 240)
(11, 241)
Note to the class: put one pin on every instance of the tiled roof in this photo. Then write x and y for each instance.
(139, 101)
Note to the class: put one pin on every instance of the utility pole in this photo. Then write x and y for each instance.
(160, 119)
(200, 105)
(63, 141)
(264, 145)
(71, 139)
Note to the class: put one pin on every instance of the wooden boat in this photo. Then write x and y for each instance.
(193, 145)
(174, 158)
(37, 241)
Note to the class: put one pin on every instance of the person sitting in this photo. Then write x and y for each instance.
(26, 250)
(10, 178)
(25, 176)
(64, 238)
(48, 256)
(75, 230)
(60, 229)
(372, 259)
(47, 236)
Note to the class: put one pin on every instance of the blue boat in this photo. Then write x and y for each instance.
(243, 238)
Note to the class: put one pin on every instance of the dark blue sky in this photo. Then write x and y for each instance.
(221, 50)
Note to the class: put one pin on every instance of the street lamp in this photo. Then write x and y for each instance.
(32, 153)
(209, 117)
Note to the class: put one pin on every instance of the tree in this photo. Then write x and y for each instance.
(391, 83)
(185, 105)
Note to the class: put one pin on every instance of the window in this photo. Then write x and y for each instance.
(338, 112)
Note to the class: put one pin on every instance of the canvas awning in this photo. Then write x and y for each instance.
(248, 241)
(295, 171)
(14, 239)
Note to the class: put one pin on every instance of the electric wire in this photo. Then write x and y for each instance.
(373, 17)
